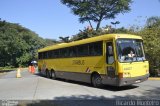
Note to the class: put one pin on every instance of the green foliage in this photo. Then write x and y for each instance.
(151, 37)
(153, 22)
(97, 10)
(18, 44)
(87, 33)
(51, 42)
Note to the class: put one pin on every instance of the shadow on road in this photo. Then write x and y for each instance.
(74, 103)
(87, 100)
(104, 87)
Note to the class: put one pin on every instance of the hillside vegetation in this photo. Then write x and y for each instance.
(18, 45)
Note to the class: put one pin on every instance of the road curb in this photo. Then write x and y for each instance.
(152, 78)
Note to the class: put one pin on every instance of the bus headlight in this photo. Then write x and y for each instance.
(126, 74)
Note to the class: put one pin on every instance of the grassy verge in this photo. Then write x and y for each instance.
(6, 69)
(154, 78)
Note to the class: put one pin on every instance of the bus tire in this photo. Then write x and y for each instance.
(47, 73)
(96, 80)
(53, 75)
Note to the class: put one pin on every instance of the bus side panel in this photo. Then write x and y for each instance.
(83, 77)
(78, 69)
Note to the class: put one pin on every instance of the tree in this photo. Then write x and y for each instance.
(19, 45)
(97, 10)
(64, 39)
(151, 37)
(51, 41)
(153, 22)
(115, 23)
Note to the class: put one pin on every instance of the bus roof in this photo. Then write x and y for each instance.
(89, 40)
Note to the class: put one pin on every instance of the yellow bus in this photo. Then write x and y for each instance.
(113, 59)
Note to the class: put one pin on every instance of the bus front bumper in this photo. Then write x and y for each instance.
(124, 81)
(134, 80)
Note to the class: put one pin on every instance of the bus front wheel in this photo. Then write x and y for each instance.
(96, 80)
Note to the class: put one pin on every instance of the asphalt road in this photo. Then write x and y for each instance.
(40, 89)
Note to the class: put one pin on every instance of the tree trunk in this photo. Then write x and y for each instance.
(90, 24)
(99, 22)
(98, 25)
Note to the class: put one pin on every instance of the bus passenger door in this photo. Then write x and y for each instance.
(110, 60)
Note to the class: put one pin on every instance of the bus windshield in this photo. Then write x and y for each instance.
(130, 50)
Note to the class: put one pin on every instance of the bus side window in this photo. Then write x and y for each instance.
(56, 53)
(95, 49)
(40, 55)
(82, 50)
(72, 52)
(98, 48)
(45, 55)
(109, 53)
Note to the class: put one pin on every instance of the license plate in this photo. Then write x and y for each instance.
(138, 81)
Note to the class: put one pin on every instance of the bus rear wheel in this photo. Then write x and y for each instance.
(96, 80)
(53, 75)
(47, 73)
